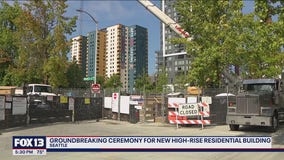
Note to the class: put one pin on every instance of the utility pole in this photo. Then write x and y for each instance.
(96, 46)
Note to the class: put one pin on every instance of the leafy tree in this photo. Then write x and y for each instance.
(265, 45)
(181, 79)
(42, 45)
(180, 82)
(162, 80)
(208, 23)
(113, 82)
(8, 47)
(100, 80)
(223, 36)
(143, 83)
(75, 76)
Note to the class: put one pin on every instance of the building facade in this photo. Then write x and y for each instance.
(91, 52)
(126, 54)
(92, 56)
(121, 50)
(101, 57)
(113, 49)
(138, 54)
(79, 52)
(175, 60)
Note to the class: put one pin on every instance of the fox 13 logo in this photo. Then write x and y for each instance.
(29, 142)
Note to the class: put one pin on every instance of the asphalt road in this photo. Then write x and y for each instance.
(116, 128)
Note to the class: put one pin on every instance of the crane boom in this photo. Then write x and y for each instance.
(181, 32)
(164, 18)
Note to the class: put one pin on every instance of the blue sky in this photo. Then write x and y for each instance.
(126, 12)
(112, 12)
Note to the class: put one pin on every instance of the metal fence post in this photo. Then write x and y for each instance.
(28, 111)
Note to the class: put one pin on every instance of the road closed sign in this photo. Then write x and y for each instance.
(188, 109)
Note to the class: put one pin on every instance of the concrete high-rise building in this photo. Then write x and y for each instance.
(124, 65)
(79, 52)
(127, 54)
(100, 55)
(121, 50)
(91, 36)
(175, 59)
(113, 49)
(116, 53)
(138, 54)
(159, 63)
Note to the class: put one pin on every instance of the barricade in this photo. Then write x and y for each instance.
(204, 109)
(175, 118)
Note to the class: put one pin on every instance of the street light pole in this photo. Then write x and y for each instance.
(96, 46)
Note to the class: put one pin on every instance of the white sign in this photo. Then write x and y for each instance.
(138, 107)
(19, 106)
(8, 105)
(2, 107)
(107, 102)
(174, 102)
(124, 104)
(207, 100)
(71, 103)
(50, 98)
(188, 109)
(192, 99)
(136, 97)
(133, 102)
(114, 102)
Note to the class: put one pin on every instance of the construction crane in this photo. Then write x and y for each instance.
(165, 18)
(233, 81)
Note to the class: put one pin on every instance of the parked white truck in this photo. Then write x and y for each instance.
(30, 89)
(40, 89)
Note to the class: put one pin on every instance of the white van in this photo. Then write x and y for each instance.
(40, 89)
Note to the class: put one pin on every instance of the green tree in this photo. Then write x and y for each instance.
(162, 80)
(8, 47)
(42, 45)
(113, 82)
(265, 45)
(180, 82)
(75, 76)
(209, 24)
(100, 80)
(223, 36)
(181, 79)
(143, 83)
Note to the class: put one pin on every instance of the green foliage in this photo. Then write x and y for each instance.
(181, 79)
(55, 70)
(162, 79)
(143, 83)
(8, 47)
(39, 34)
(223, 36)
(75, 76)
(113, 82)
(100, 80)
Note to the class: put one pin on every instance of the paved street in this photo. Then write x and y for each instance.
(115, 128)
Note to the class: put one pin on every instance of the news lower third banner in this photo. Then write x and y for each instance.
(40, 145)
